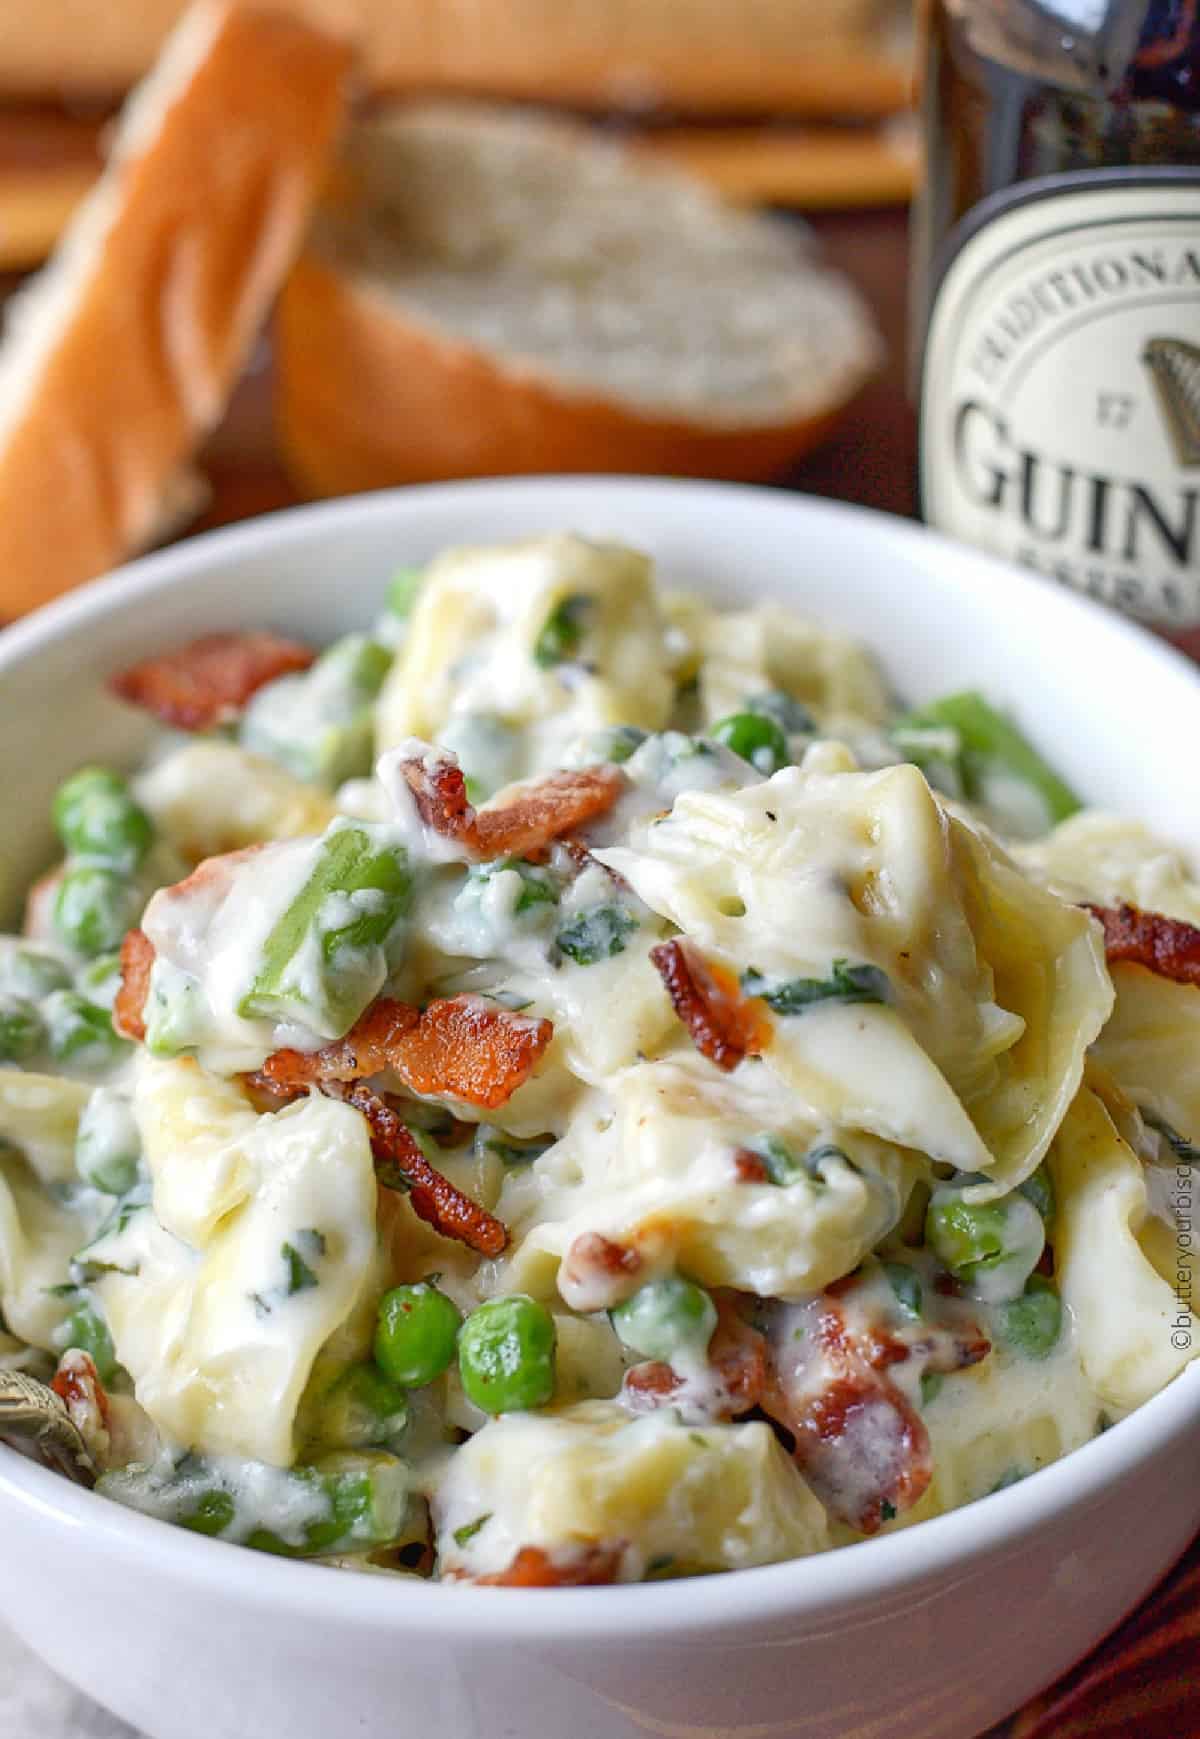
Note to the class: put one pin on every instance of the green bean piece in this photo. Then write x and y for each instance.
(79, 1031)
(212, 1513)
(22, 1033)
(596, 934)
(665, 1318)
(1033, 1322)
(561, 634)
(992, 749)
(353, 900)
(94, 907)
(29, 974)
(755, 738)
(416, 1334)
(506, 1354)
(107, 1144)
(86, 1330)
(992, 1246)
(845, 983)
(362, 1410)
(319, 724)
(97, 818)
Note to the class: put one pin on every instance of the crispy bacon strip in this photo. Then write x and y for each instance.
(537, 814)
(592, 1567)
(858, 1441)
(459, 1048)
(725, 1025)
(202, 684)
(1168, 946)
(137, 957)
(401, 1164)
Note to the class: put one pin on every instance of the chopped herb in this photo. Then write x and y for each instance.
(469, 1530)
(845, 983)
(597, 934)
(700, 1442)
(784, 1168)
(931, 1386)
(67, 1289)
(300, 1277)
(887, 1511)
(660, 1566)
(510, 1000)
(1184, 1152)
(561, 633)
(905, 1282)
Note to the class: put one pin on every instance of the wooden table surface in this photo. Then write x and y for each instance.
(1139, 1683)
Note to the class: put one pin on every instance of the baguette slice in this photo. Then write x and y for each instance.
(121, 354)
(493, 294)
(710, 56)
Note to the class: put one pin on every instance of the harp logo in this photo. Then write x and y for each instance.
(1174, 367)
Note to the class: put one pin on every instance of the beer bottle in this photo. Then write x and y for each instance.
(1057, 293)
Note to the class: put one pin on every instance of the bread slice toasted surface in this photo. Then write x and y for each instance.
(121, 354)
(491, 292)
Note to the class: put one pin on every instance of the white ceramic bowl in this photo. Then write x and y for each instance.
(930, 1634)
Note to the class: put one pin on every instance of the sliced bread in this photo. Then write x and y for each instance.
(121, 354)
(492, 293)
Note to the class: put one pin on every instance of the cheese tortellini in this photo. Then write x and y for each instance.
(676, 1115)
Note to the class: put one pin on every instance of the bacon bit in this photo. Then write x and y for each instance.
(77, 1384)
(38, 923)
(649, 1385)
(400, 1163)
(1167, 946)
(204, 683)
(725, 1025)
(749, 1167)
(738, 1355)
(137, 958)
(593, 1567)
(534, 816)
(597, 1272)
(459, 1048)
(858, 1441)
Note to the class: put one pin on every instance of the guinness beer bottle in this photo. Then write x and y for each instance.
(1057, 293)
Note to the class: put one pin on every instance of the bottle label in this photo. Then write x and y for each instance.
(1060, 394)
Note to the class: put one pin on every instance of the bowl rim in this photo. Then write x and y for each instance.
(823, 1584)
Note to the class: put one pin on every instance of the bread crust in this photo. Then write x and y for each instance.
(710, 56)
(367, 398)
(208, 202)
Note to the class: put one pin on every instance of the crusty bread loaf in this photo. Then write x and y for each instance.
(492, 293)
(121, 354)
(806, 56)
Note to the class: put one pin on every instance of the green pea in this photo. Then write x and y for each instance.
(94, 907)
(1033, 1322)
(787, 712)
(416, 1333)
(506, 1354)
(211, 1513)
(755, 738)
(107, 1144)
(32, 973)
(666, 1317)
(992, 1246)
(79, 1031)
(97, 818)
(22, 1034)
(362, 1410)
(86, 1330)
(100, 980)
